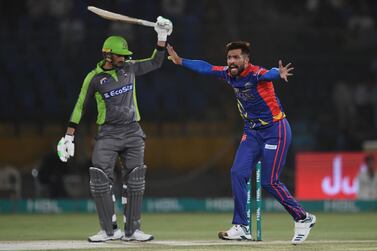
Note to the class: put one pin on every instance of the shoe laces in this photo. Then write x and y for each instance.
(238, 228)
(308, 218)
(234, 228)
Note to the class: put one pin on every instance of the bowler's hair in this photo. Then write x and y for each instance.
(244, 46)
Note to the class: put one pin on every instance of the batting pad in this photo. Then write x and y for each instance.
(100, 188)
(135, 190)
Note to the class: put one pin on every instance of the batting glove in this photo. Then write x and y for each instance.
(163, 27)
(66, 147)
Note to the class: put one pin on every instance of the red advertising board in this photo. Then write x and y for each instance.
(321, 176)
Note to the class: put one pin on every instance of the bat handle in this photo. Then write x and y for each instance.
(146, 23)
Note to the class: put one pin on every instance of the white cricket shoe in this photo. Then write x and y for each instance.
(237, 232)
(138, 235)
(302, 228)
(101, 236)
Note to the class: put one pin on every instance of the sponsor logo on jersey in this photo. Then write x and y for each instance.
(123, 73)
(118, 91)
(243, 94)
(270, 147)
(248, 85)
(104, 80)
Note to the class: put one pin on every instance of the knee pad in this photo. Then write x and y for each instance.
(136, 180)
(99, 182)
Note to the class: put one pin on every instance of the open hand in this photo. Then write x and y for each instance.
(173, 56)
(285, 71)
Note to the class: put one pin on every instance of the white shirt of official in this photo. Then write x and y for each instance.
(367, 186)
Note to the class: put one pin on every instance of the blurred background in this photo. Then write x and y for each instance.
(192, 123)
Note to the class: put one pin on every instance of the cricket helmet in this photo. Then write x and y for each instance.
(117, 45)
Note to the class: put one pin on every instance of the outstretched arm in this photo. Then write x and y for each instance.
(199, 66)
(285, 71)
(275, 73)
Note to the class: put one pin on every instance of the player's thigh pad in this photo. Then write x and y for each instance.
(100, 188)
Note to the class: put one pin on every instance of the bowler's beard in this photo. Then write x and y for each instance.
(235, 70)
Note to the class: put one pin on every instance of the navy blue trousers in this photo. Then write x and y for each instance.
(270, 145)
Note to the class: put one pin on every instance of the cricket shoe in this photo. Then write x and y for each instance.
(302, 228)
(138, 235)
(101, 236)
(237, 232)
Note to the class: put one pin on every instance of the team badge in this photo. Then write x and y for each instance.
(104, 80)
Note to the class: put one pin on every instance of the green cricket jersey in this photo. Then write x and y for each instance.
(114, 91)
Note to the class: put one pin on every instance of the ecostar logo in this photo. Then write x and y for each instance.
(339, 183)
(118, 91)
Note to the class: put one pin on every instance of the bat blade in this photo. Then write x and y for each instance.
(118, 17)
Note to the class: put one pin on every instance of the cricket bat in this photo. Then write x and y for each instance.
(119, 17)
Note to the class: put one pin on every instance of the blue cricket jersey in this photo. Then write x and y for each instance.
(256, 99)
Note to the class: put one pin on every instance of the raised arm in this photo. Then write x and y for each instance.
(199, 66)
(143, 66)
(163, 28)
(275, 73)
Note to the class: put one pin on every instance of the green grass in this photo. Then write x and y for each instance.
(333, 231)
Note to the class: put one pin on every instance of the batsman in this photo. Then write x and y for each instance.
(112, 84)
